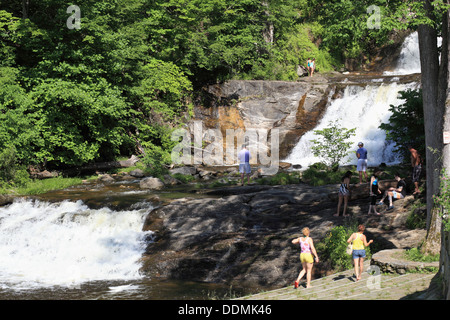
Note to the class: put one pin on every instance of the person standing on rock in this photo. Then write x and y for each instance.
(244, 163)
(308, 66)
(306, 257)
(374, 190)
(344, 193)
(416, 163)
(361, 165)
(359, 252)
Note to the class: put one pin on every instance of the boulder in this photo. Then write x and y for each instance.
(186, 170)
(106, 178)
(137, 173)
(151, 183)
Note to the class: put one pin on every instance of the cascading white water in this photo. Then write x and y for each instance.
(409, 60)
(66, 244)
(365, 108)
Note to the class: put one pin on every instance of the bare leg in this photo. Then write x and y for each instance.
(356, 265)
(302, 273)
(339, 206)
(308, 274)
(345, 205)
(361, 268)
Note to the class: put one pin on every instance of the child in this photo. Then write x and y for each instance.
(373, 190)
(344, 193)
(306, 257)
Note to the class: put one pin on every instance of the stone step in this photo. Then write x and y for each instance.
(343, 286)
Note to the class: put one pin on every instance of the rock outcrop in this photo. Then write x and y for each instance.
(291, 107)
(242, 235)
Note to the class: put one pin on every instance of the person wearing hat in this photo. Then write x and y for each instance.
(361, 165)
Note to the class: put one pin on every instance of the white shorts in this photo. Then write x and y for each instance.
(397, 195)
(361, 165)
(244, 168)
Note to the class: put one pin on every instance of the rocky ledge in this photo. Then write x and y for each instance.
(394, 261)
(242, 235)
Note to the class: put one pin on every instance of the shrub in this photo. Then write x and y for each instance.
(414, 254)
(280, 179)
(320, 177)
(335, 245)
(332, 145)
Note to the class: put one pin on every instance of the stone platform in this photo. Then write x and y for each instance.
(393, 261)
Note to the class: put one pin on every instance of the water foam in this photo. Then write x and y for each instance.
(65, 244)
(363, 108)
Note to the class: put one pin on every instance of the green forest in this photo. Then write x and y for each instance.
(113, 78)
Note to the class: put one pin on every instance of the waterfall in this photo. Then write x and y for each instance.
(365, 108)
(65, 244)
(409, 60)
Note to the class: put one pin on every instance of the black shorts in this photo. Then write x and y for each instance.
(373, 200)
(416, 173)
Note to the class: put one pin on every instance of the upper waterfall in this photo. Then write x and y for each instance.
(365, 108)
(409, 60)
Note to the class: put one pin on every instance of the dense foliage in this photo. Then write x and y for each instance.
(406, 124)
(123, 78)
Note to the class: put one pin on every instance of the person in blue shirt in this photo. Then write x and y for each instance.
(244, 163)
(361, 165)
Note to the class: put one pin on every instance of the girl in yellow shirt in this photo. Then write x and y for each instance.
(359, 253)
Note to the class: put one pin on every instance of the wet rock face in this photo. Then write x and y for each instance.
(291, 107)
(242, 235)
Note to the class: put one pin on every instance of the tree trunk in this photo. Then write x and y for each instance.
(434, 84)
(25, 6)
(446, 92)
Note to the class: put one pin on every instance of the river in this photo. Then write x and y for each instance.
(86, 242)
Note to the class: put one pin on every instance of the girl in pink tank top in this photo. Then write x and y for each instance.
(304, 245)
(306, 257)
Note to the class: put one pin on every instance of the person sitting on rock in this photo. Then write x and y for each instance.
(397, 193)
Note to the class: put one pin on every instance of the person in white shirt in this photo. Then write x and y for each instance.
(244, 163)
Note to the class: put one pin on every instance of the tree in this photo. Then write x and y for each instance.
(434, 88)
(332, 146)
(405, 126)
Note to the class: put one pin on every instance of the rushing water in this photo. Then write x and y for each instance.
(86, 249)
(365, 107)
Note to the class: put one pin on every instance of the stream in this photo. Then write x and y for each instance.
(85, 242)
